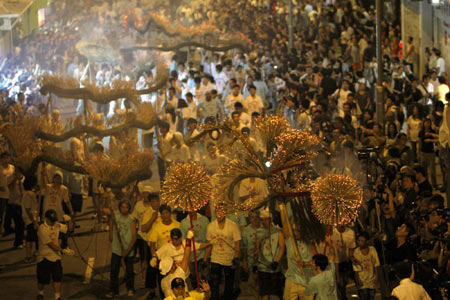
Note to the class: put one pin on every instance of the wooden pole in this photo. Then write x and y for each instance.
(197, 277)
(284, 215)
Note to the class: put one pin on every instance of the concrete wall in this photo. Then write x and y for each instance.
(430, 27)
(411, 26)
(5, 44)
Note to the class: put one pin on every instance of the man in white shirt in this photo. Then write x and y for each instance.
(225, 237)
(49, 255)
(344, 244)
(192, 132)
(440, 62)
(244, 118)
(341, 94)
(407, 289)
(213, 160)
(170, 269)
(191, 110)
(220, 78)
(164, 138)
(232, 98)
(172, 101)
(6, 177)
(253, 103)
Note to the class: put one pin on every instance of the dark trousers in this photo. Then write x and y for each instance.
(19, 226)
(76, 200)
(366, 294)
(7, 218)
(3, 203)
(216, 277)
(161, 168)
(201, 272)
(345, 274)
(444, 157)
(116, 262)
(153, 278)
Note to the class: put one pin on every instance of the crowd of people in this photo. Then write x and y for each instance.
(325, 84)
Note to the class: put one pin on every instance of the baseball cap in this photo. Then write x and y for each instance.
(175, 233)
(177, 282)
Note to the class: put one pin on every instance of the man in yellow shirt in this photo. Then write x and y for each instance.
(178, 288)
(160, 232)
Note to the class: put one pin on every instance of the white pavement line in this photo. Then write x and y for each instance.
(89, 268)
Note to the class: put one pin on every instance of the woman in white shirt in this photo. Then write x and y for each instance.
(414, 126)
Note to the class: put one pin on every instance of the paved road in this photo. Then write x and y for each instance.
(18, 279)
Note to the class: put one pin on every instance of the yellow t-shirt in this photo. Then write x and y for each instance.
(193, 295)
(160, 233)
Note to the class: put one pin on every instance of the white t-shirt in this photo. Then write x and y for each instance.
(166, 142)
(223, 241)
(212, 165)
(366, 269)
(253, 104)
(414, 128)
(190, 111)
(440, 66)
(169, 250)
(47, 234)
(53, 199)
(342, 243)
(181, 154)
(29, 200)
(231, 100)
(167, 280)
(408, 290)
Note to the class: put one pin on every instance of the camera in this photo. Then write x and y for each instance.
(444, 213)
(367, 153)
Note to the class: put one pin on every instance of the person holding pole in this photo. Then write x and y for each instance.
(200, 224)
(300, 272)
(270, 250)
(171, 270)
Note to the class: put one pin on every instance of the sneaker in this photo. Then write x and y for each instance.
(29, 259)
(110, 295)
(40, 297)
(151, 295)
(19, 247)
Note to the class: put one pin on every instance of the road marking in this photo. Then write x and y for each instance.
(89, 268)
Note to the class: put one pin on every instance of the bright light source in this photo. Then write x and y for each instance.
(268, 164)
(437, 2)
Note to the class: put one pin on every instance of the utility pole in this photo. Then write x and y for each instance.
(379, 91)
(290, 26)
